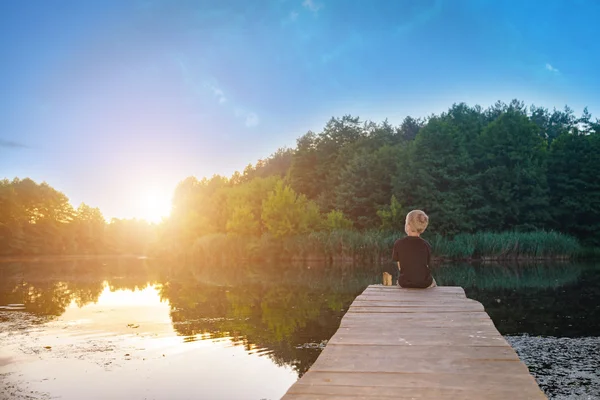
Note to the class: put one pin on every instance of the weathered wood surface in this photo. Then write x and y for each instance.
(416, 344)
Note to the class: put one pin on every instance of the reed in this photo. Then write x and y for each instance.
(376, 246)
(506, 246)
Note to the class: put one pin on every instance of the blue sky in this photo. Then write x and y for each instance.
(113, 102)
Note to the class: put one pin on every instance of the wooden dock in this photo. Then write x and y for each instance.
(416, 344)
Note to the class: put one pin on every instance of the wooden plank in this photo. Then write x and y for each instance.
(432, 352)
(403, 298)
(415, 299)
(414, 303)
(411, 292)
(421, 325)
(314, 392)
(395, 361)
(430, 339)
(355, 320)
(366, 300)
(400, 293)
(398, 289)
(412, 299)
(415, 293)
(444, 316)
(405, 293)
(416, 330)
(475, 315)
(416, 344)
(408, 309)
(518, 383)
(437, 289)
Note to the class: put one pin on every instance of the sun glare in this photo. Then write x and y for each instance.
(155, 206)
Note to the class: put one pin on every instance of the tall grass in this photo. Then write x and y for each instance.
(376, 246)
(506, 246)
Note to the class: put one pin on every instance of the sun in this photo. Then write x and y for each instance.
(155, 206)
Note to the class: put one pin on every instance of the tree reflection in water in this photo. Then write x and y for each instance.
(261, 308)
(276, 310)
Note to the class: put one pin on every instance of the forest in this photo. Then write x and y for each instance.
(36, 219)
(508, 180)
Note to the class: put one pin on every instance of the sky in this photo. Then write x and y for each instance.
(113, 102)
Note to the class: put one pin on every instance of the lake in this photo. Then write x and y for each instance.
(134, 329)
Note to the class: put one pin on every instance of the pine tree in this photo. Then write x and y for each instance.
(514, 173)
(432, 176)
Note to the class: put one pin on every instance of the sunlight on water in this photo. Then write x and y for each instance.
(148, 296)
(123, 311)
(124, 346)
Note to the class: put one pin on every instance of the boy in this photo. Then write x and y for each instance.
(413, 254)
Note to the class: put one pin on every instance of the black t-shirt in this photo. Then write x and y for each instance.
(414, 255)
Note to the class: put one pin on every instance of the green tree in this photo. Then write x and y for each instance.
(574, 189)
(249, 195)
(433, 175)
(243, 222)
(12, 218)
(591, 232)
(393, 216)
(88, 228)
(285, 212)
(566, 179)
(277, 164)
(303, 169)
(336, 220)
(34, 219)
(410, 127)
(365, 185)
(514, 179)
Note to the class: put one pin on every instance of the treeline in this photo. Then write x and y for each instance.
(504, 168)
(501, 169)
(507, 168)
(36, 219)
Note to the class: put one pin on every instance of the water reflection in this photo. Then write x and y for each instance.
(262, 309)
(122, 311)
(512, 276)
(48, 288)
(262, 324)
(274, 312)
(537, 299)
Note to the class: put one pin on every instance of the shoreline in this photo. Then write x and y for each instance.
(335, 259)
(25, 258)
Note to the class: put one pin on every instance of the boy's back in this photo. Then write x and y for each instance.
(414, 256)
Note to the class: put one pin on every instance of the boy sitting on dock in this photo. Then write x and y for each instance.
(413, 253)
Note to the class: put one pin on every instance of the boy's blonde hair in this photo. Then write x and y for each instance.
(417, 220)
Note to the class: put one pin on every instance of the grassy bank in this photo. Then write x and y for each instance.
(506, 246)
(376, 246)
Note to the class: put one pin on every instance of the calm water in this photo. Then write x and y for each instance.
(129, 329)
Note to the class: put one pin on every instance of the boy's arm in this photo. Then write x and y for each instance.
(428, 255)
(395, 255)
